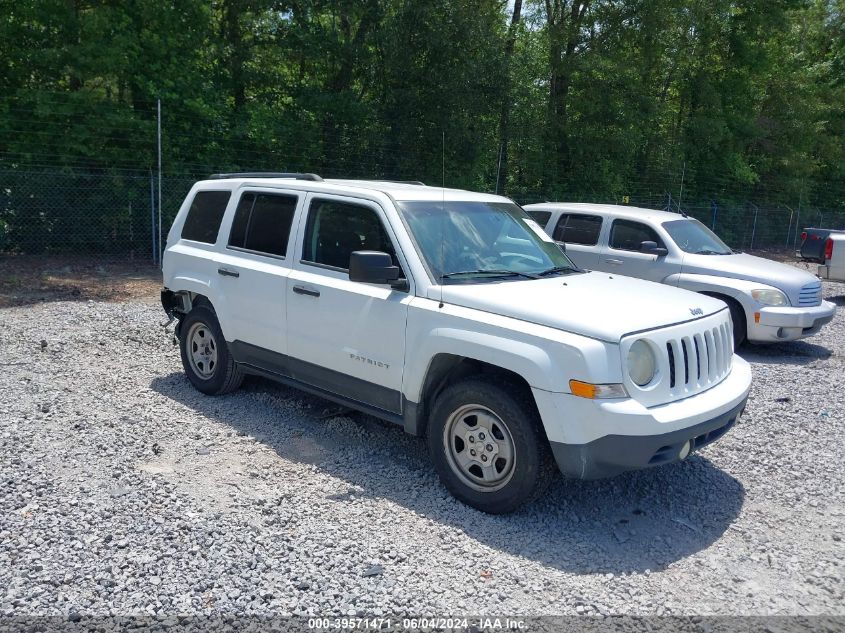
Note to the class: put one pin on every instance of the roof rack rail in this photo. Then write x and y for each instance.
(267, 174)
(398, 182)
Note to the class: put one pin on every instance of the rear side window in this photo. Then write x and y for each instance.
(626, 235)
(540, 217)
(262, 223)
(336, 229)
(578, 229)
(205, 215)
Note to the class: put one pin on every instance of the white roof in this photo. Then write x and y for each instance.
(616, 210)
(396, 190)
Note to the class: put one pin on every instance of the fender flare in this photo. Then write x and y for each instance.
(532, 363)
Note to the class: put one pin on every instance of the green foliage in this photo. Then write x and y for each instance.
(730, 102)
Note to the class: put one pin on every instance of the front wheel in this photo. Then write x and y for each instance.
(205, 355)
(487, 445)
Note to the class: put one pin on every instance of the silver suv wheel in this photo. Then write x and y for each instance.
(202, 352)
(479, 448)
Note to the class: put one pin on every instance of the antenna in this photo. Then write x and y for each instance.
(443, 199)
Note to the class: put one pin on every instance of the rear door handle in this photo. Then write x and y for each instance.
(228, 273)
(614, 261)
(302, 290)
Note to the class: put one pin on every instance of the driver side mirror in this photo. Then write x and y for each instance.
(653, 249)
(374, 267)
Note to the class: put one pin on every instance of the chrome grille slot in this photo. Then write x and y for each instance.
(810, 295)
(691, 357)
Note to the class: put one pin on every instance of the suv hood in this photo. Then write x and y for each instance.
(741, 266)
(593, 304)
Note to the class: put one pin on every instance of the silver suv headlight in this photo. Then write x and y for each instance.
(642, 363)
(770, 297)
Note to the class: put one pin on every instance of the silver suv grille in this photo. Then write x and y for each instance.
(810, 295)
(691, 358)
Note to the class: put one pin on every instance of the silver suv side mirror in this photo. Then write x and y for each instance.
(653, 249)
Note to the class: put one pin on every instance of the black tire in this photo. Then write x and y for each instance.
(224, 374)
(533, 466)
(740, 326)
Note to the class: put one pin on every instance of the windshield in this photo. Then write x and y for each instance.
(692, 236)
(473, 241)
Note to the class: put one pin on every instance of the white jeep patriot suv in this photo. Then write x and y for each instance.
(454, 315)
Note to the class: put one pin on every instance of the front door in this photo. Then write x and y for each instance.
(344, 336)
(623, 255)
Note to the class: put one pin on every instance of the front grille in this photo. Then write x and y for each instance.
(699, 360)
(691, 357)
(810, 295)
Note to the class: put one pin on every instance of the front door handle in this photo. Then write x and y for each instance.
(302, 290)
(614, 261)
(228, 273)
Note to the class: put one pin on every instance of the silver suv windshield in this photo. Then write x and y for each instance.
(692, 236)
(468, 242)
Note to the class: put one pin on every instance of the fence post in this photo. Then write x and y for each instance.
(153, 217)
(160, 251)
(797, 221)
(788, 227)
(754, 226)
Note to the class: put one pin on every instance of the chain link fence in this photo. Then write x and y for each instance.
(64, 212)
(50, 211)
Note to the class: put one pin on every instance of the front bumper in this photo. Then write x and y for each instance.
(614, 454)
(789, 324)
(593, 438)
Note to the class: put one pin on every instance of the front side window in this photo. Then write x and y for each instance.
(337, 229)
(469, 242)
(573, 228)
(262, 223)
(692, 236)
(627, 235)
(205, 215)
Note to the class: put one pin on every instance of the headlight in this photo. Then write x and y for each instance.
(641, 363)
(769, 297)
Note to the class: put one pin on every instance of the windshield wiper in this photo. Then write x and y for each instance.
(705, 251)
(491, 272)
(557, 269)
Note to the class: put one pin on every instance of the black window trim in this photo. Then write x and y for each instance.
(366, 203)
(295, 194)
(660, 240)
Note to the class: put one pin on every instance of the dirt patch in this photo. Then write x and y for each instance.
(30, 279)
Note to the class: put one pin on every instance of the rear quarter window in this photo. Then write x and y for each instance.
(540, 217)
(205, 215)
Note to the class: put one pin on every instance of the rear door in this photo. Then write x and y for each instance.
(580, 233)
(254, 266)
(345, 336)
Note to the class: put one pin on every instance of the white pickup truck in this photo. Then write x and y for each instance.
(833, 268)
(452, 314)
(769, 301)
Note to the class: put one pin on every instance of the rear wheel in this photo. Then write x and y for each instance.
(487, 445)
(205, 355)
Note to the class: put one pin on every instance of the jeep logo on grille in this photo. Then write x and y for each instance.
(696, 311)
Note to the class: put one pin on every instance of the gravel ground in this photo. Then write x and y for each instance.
(125, 491)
